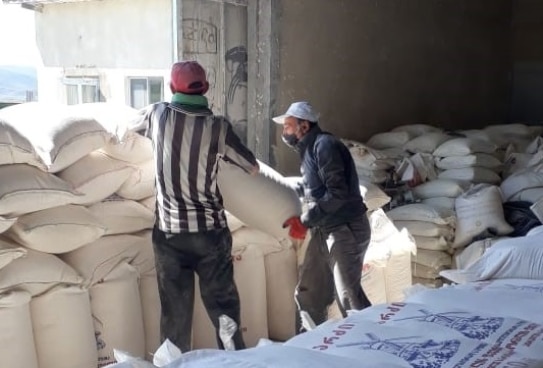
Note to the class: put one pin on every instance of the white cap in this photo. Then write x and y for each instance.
(301, 110)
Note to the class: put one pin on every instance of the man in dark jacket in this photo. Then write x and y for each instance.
(190, 233)
(334, 212)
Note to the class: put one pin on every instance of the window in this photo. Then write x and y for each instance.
(145, 91)
(82, 90)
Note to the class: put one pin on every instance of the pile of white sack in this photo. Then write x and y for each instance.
(462, 176)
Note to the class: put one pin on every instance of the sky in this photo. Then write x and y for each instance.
(17, 36)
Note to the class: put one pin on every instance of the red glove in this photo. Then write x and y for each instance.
(296, 229)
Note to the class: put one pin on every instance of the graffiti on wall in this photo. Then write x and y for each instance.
(236, 92)
(199, 37)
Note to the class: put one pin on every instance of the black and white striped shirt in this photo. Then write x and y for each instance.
(188, 143)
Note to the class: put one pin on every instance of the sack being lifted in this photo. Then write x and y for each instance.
(263, 201)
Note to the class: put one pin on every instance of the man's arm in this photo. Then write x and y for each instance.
(238, 154)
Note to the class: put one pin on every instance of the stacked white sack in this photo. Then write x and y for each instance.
(111, 268)
(518, 135)
(56, 299)
(468, 159)
(372, 165)
(17, 349)
(433, 232)
(520, 158)
(479, 215)
(439, 193)
(55, 167)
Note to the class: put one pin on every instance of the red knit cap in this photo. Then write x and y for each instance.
(189, 77)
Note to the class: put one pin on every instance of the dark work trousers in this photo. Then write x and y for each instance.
(333, 262)
(177, 257)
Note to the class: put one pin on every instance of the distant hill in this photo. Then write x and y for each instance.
(15, 81)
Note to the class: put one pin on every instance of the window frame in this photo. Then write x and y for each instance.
(148, 80)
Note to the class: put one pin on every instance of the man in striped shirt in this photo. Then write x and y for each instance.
(190, 233)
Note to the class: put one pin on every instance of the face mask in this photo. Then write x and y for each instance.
(290, 140)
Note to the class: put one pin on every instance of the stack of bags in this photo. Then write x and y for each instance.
(373, 165)
(53, 174)
(433, 231)
(468, 159)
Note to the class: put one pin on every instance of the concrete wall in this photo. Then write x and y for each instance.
(527, 50)
(106, 34)
(371, 65)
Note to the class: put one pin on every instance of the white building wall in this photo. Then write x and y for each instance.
(113, 83)
(109, 39)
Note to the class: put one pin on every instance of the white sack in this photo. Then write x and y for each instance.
(374, 197)
(410, 344)
(424, 228)
(250, 278)
(36, 273)
(10, 252)
(150, 299)
(117, 314)
(525, 179)
(389, 251)
(14, 146)
(471, 174)
(531, 195)
(417, 129)
(268, 189)
(422, 212)
(134, 148)
(479, 211)
(475, 159)
(431, 283)
(151, 312)
(17, 347)
(96, 176)
(149, 203)
(463, 146)
(121, 216)
(273, 355)
(60, 134)
(63, 328)
(439, 188)
(424, 272)
(467, 256)
(26, 189)
(281, 279)
(427, 142)
(141, 183)
(511, 258)
(389, 140)
(441, 203)
(457, 322)
(57, 230)
(514, 298)
(233, 222)
(377, 176)
(6, 223)
(431, 243)
(433, 258)
(368, 158)
(96, 260)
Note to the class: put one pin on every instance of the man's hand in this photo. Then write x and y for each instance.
(296, 229)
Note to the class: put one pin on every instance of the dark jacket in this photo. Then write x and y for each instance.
(330, 181)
